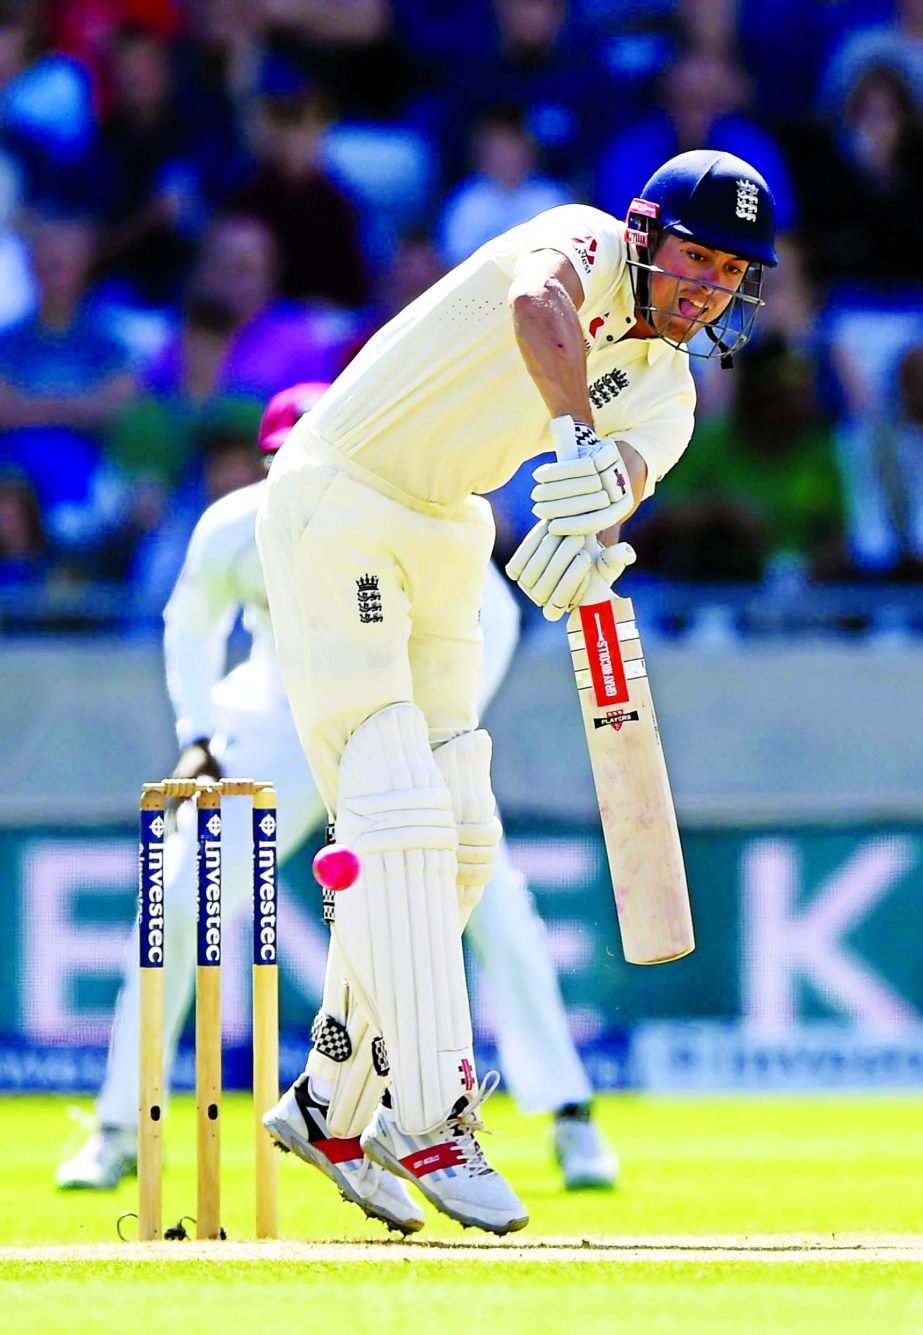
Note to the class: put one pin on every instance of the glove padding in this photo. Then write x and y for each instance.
(579, 497)
(554, 571)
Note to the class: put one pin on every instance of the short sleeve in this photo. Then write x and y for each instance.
(592, 241)
(661, 439)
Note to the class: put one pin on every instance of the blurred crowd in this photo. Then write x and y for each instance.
(204, 201)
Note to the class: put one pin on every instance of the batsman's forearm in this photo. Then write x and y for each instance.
(551, 344)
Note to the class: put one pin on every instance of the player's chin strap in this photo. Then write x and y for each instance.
(726, 360)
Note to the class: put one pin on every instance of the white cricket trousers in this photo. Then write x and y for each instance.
(373, 602)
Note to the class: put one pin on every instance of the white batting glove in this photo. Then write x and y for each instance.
(551, 570)
(582, 496)
(554, 571)
(612, 562)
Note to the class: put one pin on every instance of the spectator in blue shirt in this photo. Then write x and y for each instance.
(46, 106)
(62, 383)
(505, 188)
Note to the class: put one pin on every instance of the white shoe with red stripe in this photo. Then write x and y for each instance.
(448, 1164)
(298, 1123)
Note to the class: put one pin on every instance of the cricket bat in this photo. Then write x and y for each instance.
(630, 775)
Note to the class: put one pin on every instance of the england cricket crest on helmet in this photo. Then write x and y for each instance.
(748, 201)
(721, 202)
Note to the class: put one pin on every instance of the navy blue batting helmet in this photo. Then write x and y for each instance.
(718, 200)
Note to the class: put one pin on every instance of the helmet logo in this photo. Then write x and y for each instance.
(640, 216)
(748, 199)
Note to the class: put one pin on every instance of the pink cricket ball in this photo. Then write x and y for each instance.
(336, 867)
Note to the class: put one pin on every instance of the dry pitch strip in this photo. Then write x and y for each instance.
(791, 1248)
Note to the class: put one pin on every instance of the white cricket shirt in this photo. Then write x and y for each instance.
(439, 404)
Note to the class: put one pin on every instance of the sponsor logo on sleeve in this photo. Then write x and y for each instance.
(585, 247)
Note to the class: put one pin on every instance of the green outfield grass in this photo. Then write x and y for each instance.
(727, 1167)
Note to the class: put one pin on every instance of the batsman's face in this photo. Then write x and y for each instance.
(691, 286)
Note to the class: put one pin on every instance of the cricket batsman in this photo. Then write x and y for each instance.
(239, 723)
(375, 541)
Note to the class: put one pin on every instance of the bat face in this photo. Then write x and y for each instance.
(630, 774)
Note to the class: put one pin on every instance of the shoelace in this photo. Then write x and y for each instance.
(464, 1124)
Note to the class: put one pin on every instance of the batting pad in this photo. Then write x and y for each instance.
(397, 926)
(465, 763)
(342, 1054)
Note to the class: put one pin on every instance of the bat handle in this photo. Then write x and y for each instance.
(565, 447)
(565, 442)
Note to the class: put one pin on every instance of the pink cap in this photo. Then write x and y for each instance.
(283, 411)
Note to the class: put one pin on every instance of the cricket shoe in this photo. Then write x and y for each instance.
(586, 1160)
(448, 1165)
(106, 1156)
(298, 1123)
